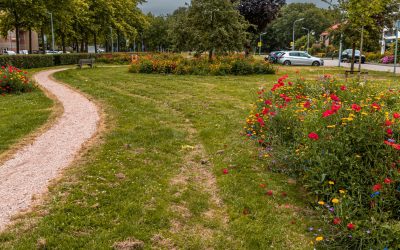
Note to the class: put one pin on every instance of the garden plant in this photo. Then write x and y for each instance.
(341, 140)
(14, 80)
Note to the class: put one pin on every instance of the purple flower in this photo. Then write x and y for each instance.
(331, 209)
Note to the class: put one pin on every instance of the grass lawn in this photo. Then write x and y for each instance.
(20, 115)
(158, 174)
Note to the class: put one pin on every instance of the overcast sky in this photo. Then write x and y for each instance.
(158, 7)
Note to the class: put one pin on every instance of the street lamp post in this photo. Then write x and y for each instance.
(260, 44)
(397, 45)
(308, 38)
(294, 24)
(52, 31)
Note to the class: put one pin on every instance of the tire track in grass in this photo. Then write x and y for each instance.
(199, 216)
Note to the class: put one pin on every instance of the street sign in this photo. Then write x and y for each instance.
(259, 44)
(291, 44)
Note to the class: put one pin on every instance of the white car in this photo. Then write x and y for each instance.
(299, 58)
(9, 52)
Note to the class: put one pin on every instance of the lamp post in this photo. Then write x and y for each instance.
(397, 45)
(260, 44)
(294, 24)
(52, 31)
(308, 38)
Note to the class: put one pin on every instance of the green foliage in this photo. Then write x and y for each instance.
(28, 61)
(340, 139)
(216, 26)
(175, 64)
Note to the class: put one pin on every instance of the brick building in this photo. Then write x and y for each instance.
(9, 42)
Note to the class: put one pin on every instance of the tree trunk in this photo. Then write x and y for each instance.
(17, 37)
(107, 49)
(30, 40)
(210, 55)
(118, 41)
(43, 43)
(95, 42)
(82, 46)
(63, 43)
(353, 54)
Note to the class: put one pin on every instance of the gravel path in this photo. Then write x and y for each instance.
(30, 170)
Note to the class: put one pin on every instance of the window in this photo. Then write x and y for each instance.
(294, 54)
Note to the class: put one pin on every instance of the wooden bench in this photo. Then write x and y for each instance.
(89, 62)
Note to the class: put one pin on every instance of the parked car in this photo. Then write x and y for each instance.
(24, 52)
(273, 56)
(9, 52)
(299, 58)
(347, 55)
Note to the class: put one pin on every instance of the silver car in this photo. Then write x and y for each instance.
(299, 58)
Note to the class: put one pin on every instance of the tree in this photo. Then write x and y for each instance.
(315, 19)
(260, 13)
(178, 30)
(216, 26)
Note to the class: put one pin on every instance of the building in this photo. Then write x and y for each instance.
(388, 38)
(10, 42)
(326, 36)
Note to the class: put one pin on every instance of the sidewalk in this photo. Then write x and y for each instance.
(366, 66)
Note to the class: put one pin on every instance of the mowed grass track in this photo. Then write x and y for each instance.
(135, 183)
(20, 115)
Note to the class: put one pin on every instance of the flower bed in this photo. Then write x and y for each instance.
(342, 142)
(14, 80)
(176, 64)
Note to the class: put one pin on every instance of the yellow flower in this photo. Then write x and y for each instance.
(331, 183)
(342, 191)
(321, 202)
(319, 238)
(335, 201)
(331, 126)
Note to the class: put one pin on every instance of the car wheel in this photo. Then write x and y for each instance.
(316, 64)
(287, 63)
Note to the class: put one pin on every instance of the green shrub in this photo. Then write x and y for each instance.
(373, 57)
(71, 59)
(342, 142)
(176, 64)
(27, 61)
(14, 80)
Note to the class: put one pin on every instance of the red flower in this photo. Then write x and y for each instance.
(396, 115)
(377, 187)
(328, 113)
(388, 143)
(335, 98)
(262, 185)
(388, 181)
(396, 146)
(335, 107)
(351, 226)
(389, 131)
(388, 123)
(225, 171)
(313, 136)
(376, 106)
(284, 194)
(337, 221)
(261, 121)
(269, 193)
(268, 102)
(290, 83)
(356, 107)
(343, 88)
(307, 105)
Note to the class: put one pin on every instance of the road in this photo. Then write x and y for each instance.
(375, 67)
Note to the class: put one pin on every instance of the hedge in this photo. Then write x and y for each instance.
(42, 61)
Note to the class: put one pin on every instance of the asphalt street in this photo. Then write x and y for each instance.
(366, 66)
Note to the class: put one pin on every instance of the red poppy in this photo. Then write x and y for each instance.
(307, 105)
(265, 111)
(351, 226)
(389, 131)
(396, 146)
(335, 107)
(328, 113)
(388, 181)
(290, 83)
(225, 171)
(335, 98)
(396, 115)
(261, 122)
(388, 143)
(268, 102)
(356, 107)
(337, 221)
(388, 123)
(313, 136)
(343, 88)
(377, 187)
(269, 193)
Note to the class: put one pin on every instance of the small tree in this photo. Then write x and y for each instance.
(215, 25)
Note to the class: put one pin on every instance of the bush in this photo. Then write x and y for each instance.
(27, 61)
(340, 140)
(373, 57)
(14, 80)
(70, 59)
(176, 64)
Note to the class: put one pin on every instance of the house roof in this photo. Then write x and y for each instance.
(330, 29)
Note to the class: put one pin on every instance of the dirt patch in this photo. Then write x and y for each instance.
(128, 244)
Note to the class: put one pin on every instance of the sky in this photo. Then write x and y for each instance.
(159, 7)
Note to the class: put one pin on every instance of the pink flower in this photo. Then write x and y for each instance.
(313, 136)
(225, 171)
